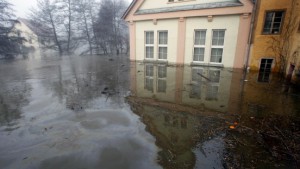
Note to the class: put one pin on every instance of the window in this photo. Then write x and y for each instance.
(214, 76)
(162, 44)
(217, 46)
(199, 45)
(171, 0)
(265, 70)
(149, 71)
(273, 22)
(197, 74)
(161, 78)
(212, 92)
(299, 27)
(149, 44)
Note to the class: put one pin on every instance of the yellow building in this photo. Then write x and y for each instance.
(276, 36)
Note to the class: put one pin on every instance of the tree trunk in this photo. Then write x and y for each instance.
(55, 35)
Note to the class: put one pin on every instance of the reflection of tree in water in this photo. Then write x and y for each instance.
(177, 129)
(13, 97)
(89, 79)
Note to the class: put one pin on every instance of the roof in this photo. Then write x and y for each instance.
(37, 28)
(129, 8)
(190, 7)
(182, 8)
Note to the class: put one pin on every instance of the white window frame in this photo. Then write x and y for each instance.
(217, 46)
(149, 45)
(162, 78)
(162, 45)
(149, 77)
(197, 84)
(199, 46)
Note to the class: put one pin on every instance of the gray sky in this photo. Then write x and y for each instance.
(22, 7)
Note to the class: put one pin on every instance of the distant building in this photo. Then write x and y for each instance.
(34, 35)
(194, 32)
(30, 41)
(272, 19)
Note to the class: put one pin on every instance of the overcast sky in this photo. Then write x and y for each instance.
(22, 7)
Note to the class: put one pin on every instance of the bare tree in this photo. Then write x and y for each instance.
(109, 25)
(66, 10)
(85, 21)
(46, 14)
(282, 44)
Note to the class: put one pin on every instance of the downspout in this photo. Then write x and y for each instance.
(250, 34)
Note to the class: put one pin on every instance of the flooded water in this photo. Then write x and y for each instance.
(106, 112)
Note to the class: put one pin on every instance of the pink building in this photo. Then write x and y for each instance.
(194, 32)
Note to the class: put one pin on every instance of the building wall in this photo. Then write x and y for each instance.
(162, 25)
(181, 26)
(296, 43)
(151, 4)
(261, 42)
(218, 22)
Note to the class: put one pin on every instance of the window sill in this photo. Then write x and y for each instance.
(199, 64)
(155, 61)
(216, 65)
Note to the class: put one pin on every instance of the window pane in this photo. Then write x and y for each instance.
(149, 38)
(218, 37)
(212, 92)
(214, 76)
(216, 55)
(197, 75)
(162, 71)
(200, 36)
(149, 84)
(149, 52)
(195, 92)
(198, 54)
(162, 52)
(149, 70)
(163, 38)
(273, 21)
(161, 85)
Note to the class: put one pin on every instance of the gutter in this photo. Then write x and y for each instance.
(251, 34)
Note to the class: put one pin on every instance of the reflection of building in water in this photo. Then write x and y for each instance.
(205, 87)
(177, 132)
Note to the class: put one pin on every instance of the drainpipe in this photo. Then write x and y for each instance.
(251, 34)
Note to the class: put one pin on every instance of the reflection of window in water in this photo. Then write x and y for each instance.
(212, 92)
(265, 70)
(167, 119)
(197, 74)
(174, 137)
(161, 78)
(214, 76)
(149, 77)
(183, 121)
